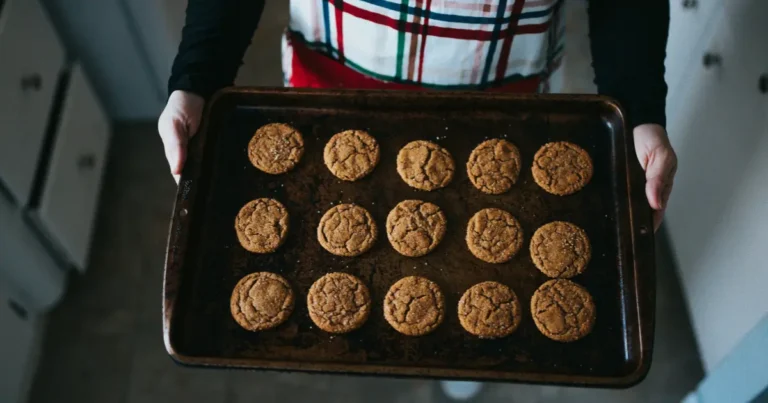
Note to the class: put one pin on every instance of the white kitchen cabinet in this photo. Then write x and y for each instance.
(690, 22)
(19, 347)
(70, 195)
(54, 137)
(31, 59)
(27, 267)
(718, 124)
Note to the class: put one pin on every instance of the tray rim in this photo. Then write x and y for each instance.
(641, 241)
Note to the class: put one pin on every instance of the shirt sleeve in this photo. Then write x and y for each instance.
(214, 39)
(629, 40)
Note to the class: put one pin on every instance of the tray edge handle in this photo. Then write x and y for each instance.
(182, 214)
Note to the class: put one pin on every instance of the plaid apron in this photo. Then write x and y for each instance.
(506, 45)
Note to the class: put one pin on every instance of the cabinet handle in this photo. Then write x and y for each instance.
(711, 60)
(762, 84)
(689, 4)
(31, 82)
(86, 162)
(17, 309)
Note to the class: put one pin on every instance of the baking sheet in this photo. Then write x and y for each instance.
(205, 260)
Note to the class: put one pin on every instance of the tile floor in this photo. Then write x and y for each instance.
(104, 341)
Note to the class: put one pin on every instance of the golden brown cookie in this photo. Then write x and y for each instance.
(563, 310)
(347, 230)
(351, 154)
(338, 303)
(425, 165)
(276, 148)
(494, 235)
(414, 306)
(261, 301)
(261, 225)
(560, 249)
(415, 227)
(489, 310)
(562, 168)
(493, 166)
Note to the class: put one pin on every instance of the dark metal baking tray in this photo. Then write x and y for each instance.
(205, 260)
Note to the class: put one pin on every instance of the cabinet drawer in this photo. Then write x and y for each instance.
(31, 59)
(71, 189)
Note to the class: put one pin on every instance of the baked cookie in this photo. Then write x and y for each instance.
(425, 165)
(562, 168)
(351, 154)
(347, 230)
(489, 310)
(560, 249)
(494, 235)
(563, 310)
(261, 225)
(261, 301)
(276, 148)
(493, 166)
(415, 227)
(414, 306)
(338, 303)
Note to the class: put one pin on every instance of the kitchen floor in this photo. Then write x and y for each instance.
(104, 341)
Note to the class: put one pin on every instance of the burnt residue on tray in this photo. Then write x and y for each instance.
(205, 260)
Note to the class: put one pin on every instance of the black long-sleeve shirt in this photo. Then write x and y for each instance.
(628, 40)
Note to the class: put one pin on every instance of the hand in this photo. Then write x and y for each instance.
(177, 124)
(659, 162)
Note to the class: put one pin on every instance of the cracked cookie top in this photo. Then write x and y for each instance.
(414, 306)
(494, 235)
(261, 301)
(562, 168)
(489, 310)
(560, 249)
(276, 148)
(347, 230)
(351, 154)
(425, 165)
(415, 227)
(261, 225)
(493, 166)
(563, 310)
(338, 303)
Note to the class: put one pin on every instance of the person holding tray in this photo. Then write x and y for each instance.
(487, 45)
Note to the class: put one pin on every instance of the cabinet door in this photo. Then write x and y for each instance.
(19, 341)
(718, 131)
(28, 271)
(30, 61)
(690, 28)
(70, 194)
